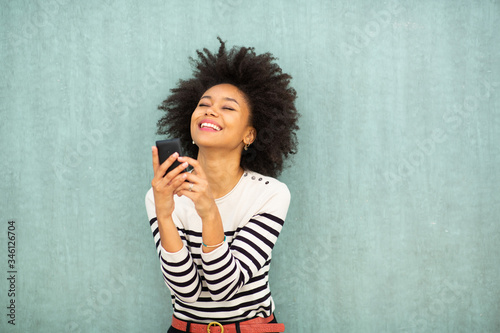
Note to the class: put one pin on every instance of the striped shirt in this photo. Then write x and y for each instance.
(229, 283)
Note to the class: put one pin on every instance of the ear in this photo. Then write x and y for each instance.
(250, 135)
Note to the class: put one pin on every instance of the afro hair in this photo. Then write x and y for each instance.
(268, 92)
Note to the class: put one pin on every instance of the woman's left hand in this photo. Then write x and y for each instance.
(197, 189)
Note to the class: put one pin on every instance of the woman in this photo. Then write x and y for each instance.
(215, 227)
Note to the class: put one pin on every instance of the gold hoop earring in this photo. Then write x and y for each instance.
(246, 146)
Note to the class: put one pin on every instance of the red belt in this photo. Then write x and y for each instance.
(256, 325)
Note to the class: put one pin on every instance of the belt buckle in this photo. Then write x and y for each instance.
(214, 323)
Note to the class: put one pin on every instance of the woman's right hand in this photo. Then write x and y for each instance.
(164, 185)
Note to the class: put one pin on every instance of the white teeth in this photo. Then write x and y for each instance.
(215, 127)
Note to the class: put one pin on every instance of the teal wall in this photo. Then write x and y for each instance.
(394, 223)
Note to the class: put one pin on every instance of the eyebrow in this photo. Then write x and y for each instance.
(225, 98)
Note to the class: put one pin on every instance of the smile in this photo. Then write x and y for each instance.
(210, 126)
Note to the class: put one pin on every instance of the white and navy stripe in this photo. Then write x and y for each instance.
(231, 282)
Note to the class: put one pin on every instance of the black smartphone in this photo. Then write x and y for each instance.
(167, 148)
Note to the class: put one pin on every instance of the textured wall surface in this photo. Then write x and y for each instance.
(394, 224)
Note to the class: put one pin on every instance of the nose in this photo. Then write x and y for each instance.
(210, 112)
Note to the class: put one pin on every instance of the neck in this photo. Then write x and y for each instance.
(223, 171)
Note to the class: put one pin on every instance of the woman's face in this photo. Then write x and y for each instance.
(221, 119)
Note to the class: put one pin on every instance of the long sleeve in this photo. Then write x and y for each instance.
(179, 271)
(230, 283)
(228, 268)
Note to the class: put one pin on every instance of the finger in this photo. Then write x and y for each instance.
(184, 186)
(160, 170)
(178, 181)
(177, 171)
(194, 163)
(186, 192)
(195, 179)
(156, 161)
(189, 189)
